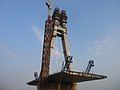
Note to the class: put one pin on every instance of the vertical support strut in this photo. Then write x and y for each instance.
(47, 48)
(48, 34)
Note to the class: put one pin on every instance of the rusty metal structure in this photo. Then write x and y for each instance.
(55, 26)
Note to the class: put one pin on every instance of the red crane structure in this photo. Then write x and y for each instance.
(55, 26)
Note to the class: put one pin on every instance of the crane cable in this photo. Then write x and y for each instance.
(73, 46)
(57, 53)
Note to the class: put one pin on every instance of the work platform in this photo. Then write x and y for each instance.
(69, 77)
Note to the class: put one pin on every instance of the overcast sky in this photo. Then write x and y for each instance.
(94, 33)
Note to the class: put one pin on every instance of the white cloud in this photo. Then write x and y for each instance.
(9, 52)
(113, 29)
(102, 46)
(38, 33)
(106, 42)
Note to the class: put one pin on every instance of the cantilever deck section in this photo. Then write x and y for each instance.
(69, 78)
(74, 77)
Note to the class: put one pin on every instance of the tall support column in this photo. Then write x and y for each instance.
(55, 26)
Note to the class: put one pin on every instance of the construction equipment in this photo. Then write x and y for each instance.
(90, 65)
(36, 75)
(66, 79)
(49, 6)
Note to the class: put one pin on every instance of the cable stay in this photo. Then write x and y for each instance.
(76, 55)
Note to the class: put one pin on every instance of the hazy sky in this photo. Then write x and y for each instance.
(94, 33)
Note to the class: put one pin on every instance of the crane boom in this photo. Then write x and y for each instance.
(49, 6)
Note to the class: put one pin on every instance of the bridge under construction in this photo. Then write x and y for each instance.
(66, 79)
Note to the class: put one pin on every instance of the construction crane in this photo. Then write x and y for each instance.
(90, 65)
(49, 6)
